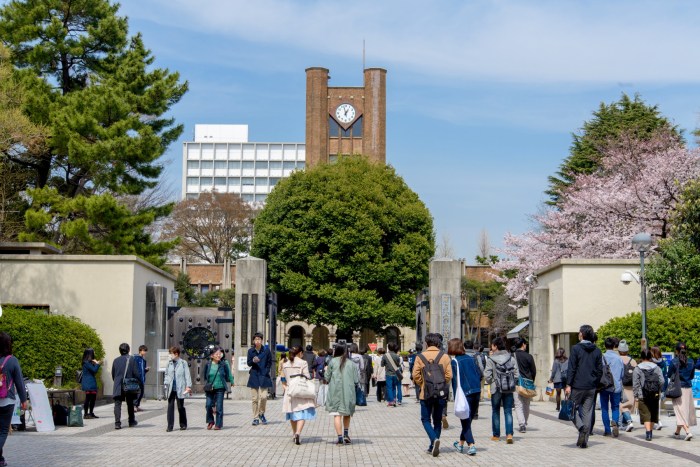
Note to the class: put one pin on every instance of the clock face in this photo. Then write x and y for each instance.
(345, 113)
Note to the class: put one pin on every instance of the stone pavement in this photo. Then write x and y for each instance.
(381, 436)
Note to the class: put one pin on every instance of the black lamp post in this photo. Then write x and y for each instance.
(642, 243)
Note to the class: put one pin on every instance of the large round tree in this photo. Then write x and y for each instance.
(347, 244)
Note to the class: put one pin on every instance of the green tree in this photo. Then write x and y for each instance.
(347, 244)
(184, 288)
(665, 327)
(481, 297)
(673, 275)
(627, 116)
(100, 97)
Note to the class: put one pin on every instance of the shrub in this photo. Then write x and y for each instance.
(665, 327)
(41, 342)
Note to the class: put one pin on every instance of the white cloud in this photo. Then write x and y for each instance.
(523, 41)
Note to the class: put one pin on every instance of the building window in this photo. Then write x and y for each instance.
(357, 128)
(333, 128)
(205, 288)
(274, 181)
(248, 181)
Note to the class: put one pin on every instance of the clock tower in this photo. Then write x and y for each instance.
(345, 120)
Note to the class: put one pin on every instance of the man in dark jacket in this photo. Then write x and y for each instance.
(260, 362)
(140, 361)
(583, 376)
(527, 369)
(123, 367)
(310, 357)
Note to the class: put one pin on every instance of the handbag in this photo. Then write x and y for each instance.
(322, 395)
(301, 387)
(130, 385)
(398, 372)
(674, 390)
(75, 416)
(461, 405)
(567, 410)
(360, 398)
(526, 388)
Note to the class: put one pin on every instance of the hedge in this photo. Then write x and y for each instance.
(41, 342)
(665, 327)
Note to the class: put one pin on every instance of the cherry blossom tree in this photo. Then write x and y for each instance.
(634, 190)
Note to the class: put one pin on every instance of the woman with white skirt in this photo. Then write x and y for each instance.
(683, 406)
(297, 410)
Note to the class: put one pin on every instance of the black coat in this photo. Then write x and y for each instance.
(119, 367)
(585, 366)
(526, 364)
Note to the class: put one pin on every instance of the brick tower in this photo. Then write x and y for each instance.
(345, 120)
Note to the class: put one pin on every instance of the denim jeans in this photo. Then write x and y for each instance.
(399, 391)
(466, 434)
(392, 385)
(431, 411)
(497, 399)
(5, 421)
(216, 397)
(608, 401)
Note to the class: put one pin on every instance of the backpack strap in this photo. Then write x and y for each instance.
(422, 357)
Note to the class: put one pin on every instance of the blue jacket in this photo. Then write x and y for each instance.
(469, 375)
(141, 366)
(259, 374)
(617, 368)
(687, 372)
(89, 382)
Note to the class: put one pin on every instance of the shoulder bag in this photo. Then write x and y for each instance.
(461, 405)
(674, 390)
(209, 385)
(130, 385)
(398, 372)
(526, 388)
(301, 387)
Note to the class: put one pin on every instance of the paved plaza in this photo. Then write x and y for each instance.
(381, 436)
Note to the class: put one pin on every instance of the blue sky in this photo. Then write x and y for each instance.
(482, 96)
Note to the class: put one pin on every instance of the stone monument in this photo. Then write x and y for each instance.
(445, 298)
(251, 282)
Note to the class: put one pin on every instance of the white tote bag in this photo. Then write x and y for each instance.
(301, 387)
(461, 406)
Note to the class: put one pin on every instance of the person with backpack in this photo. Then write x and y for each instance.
(501, 374)
(683, 406)
(627, 398)
(432, 372)
(647, 383)
(11, 389)
(467, 373)
(582, 380)
(558, 375)
(610, 398)
(411, 363)
(526, 369)
(660, 361)
(473, 351)
(142, 366)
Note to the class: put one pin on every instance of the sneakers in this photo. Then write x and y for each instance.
(472, 450)
(677, 435)
(688, 437)
(458, 447)
(263, 420)
(607, 433)
(495, 438)
(629, 427)
(436, 447)
(133, 424)
(581, 438)
(615, 430)
(210, 425)
(256, 422)
(509, 439)
(445, 425)
(658, 426)
(522, 429)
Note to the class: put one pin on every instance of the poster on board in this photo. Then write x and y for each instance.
(41, 409)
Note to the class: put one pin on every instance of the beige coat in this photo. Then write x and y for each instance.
(289, 368)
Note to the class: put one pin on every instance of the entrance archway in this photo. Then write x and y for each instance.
(296, 337)
(319, 338)
(344, 334)
(392, 334)
(367, 336)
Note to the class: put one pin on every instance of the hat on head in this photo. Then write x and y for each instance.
(623, 347)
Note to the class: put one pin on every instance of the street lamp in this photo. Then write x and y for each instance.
(642, 243)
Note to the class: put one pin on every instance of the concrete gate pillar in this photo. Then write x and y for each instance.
(540, 347)
(251, 282)
(445, 298)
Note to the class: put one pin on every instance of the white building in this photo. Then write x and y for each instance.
(221, 158)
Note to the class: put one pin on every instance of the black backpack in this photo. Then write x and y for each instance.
(651, 382)
(505, 376)
(607, 381)
(627, 375)
(434, 382)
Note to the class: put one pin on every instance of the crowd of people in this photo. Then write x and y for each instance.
(340, 378)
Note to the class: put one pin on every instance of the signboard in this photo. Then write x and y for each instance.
(372, 347)
(41, 410)
(445, 316)
(243, 364)
(163, 359)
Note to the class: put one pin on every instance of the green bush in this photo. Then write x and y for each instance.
(665, 327)
(41, 342)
